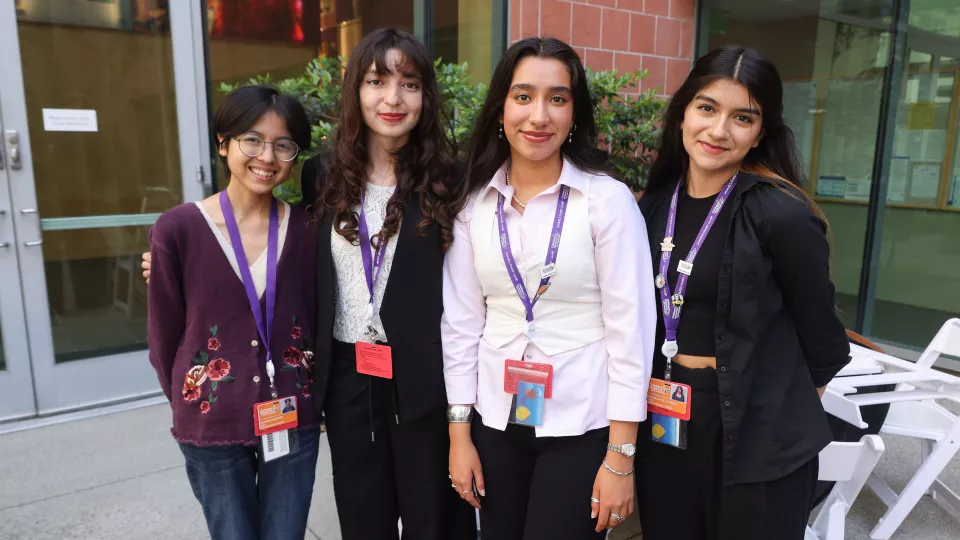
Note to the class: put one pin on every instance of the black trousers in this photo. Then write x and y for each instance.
(538, 488)
(384, 470)
(680, 493)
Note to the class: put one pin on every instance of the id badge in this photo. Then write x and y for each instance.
(527, 407)
(275, 415)
(669, 406)
(515, 371)
(374, 359)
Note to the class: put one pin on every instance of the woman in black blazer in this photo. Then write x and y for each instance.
(380, 199)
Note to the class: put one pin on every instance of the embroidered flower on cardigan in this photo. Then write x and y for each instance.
(299, 358)
(292, 356)
(296, 333)
(203, 370)
(218, 369)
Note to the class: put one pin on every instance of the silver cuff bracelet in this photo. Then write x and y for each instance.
(459, 414)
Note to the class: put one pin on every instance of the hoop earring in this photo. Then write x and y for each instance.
(501, 130)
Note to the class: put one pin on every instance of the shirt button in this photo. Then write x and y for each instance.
(256, 379)
(729, 437)
(723, 369)
(720, 336)
(723, 303)
(254, 343)
(726, 403)
(726, 268)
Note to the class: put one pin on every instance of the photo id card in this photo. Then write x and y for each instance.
(668, 398)
(527, 408)
(276, 415)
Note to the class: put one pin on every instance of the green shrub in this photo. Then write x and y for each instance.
(628, 124)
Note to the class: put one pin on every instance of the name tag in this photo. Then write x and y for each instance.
(375, 360)
(275, 415)
(669, 399)
(515, 372)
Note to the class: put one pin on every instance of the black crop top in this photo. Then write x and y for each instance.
(695, 334)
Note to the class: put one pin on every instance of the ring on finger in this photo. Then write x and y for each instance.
(464, 492)
(594, 500)
(617, 517)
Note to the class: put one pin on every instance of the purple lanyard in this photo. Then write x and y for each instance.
(271, 292)
(672, 304)
(549, 265)
(371, 263)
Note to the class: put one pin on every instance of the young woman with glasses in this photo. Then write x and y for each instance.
(231, 322)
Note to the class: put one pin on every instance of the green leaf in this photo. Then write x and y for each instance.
(204, 357)
(296, 320)
(213, 330)
(228, 378)
(299, 385)
(214, 385)
(212, 399)
(198, 361)
(287, 367)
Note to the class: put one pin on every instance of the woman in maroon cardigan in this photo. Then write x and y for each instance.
(232, 308)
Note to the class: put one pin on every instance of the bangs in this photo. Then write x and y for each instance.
(398, 57)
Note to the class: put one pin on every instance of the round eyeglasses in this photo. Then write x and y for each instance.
(253, 145)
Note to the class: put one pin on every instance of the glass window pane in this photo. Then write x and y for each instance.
(918, 282)
(113, 60)
(463, 32)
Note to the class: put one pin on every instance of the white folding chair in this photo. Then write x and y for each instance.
(939, 432)
(849, 465)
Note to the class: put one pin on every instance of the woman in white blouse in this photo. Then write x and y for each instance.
(549, 316)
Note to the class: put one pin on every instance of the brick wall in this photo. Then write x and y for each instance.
(655, 35)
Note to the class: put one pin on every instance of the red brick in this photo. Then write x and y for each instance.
(658, 73)
(616, 30)
(682, 9)
(631, 5)
(599, 60)
(627, 63)
(668, 37)
(677, 71)
(529, 18)
(582, 53)
(686, 39)
(607, 3)
(657, 7)
(586, 25)
(514, 20)
(643, 32)
(555, 19)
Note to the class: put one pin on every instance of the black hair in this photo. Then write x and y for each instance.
(488, 151)
(242, 108)
(776, 156)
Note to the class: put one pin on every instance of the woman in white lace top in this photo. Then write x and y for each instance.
(381, 199)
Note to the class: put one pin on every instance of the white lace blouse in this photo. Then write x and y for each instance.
(351, 296)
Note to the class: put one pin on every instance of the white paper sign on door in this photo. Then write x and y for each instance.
(70, 120)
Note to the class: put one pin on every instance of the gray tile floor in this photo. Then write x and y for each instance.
(121, 476)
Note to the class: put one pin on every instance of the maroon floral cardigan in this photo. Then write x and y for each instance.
(203, 339)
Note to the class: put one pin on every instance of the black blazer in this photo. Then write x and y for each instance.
(777, 333)
(411, 310)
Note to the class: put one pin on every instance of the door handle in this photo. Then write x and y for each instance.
(13, 150)
(26, 211)
(34, 243)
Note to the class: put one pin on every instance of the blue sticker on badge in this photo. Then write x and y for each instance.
(529, 409)
(668, 430)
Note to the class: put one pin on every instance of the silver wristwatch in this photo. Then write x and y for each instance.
(459, 414)
(626, 449)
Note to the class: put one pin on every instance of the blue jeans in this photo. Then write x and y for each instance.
(244, 498)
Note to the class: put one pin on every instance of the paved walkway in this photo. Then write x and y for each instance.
(120, 476)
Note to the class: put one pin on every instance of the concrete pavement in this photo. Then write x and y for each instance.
(120, 476)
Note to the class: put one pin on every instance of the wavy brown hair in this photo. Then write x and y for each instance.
(425, 165)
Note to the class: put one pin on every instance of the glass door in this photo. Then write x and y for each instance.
(99, 100)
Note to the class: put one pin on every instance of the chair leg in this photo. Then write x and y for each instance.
(929, 470)
(836, 521)
(926, 446)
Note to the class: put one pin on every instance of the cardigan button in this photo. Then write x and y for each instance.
(254, 343)
(256, 379)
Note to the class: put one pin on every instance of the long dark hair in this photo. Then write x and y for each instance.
(243, 107)
(775, 160)
(424, 165)
(488, 151)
